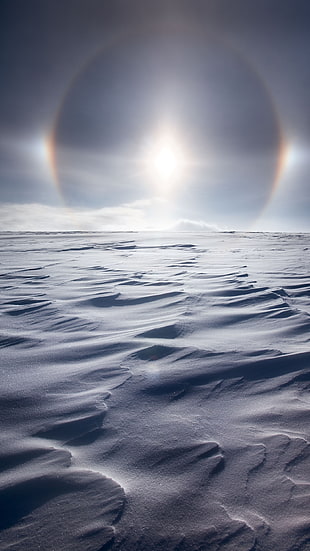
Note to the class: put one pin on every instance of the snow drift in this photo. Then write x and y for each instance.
(154, 392)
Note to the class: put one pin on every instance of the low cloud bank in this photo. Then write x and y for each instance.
(37, 217)
(126, 217)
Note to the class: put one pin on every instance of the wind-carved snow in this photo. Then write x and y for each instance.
(154, 392)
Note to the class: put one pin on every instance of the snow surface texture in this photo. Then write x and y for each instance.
(154, 392)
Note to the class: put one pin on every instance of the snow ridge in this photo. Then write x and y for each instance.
(154, 392)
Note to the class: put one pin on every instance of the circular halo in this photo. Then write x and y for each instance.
(119, 43)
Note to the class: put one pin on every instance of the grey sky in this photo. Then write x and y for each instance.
(230, 78)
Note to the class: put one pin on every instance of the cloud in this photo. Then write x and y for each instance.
(144, 214)
(38, 217)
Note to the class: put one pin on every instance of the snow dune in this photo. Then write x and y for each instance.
(154, 392)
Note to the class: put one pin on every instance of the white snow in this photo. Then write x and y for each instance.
(154, 391)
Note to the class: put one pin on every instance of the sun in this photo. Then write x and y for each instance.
(165, 159)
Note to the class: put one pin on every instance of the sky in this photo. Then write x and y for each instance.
(141, 115)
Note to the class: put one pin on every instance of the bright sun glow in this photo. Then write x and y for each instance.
(165, 159)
